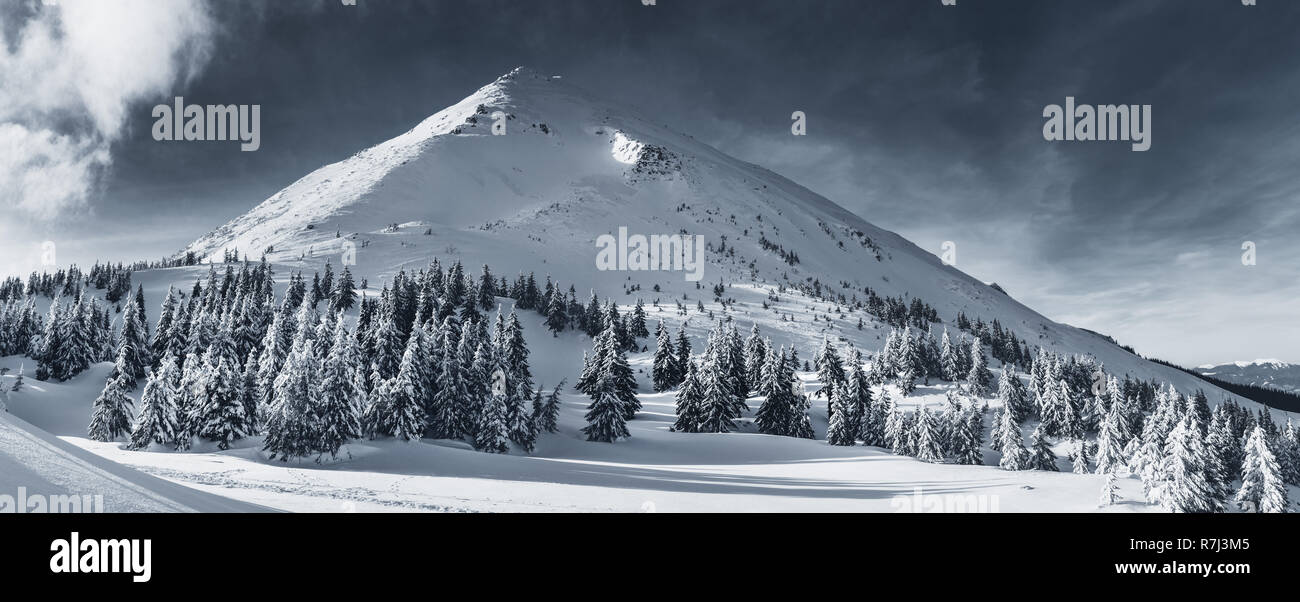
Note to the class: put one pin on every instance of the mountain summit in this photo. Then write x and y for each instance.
(529, 171)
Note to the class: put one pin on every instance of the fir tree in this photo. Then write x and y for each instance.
(133, 344)
(403, 396)
(548, 415)
(523, 432)
(1080, 456)
(683, 354)
(840, 429)
(927, 437)
(492, 432)
(1014, 455)
(717, 402)
(968, 437)
(156, 422)
(1011, 392)
(689, 402)
(221, 415)
(606, 417)
(1109, 491)
(1110, 451)
(342, 392)
(1262, 485)
(344, 295)
(1043, 456)
(830, 370)
(895, 426)
(638, 325)
(452, 393)
(665, 363)
(111, 414)
(948, 360)
(292, 430)
(774, 416)
(1183, 484)
(978, 379)
(755, 356)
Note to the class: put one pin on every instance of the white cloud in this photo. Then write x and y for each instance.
(69, 74)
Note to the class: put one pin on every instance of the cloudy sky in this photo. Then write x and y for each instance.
(924, 119)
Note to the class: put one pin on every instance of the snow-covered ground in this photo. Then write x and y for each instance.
(35, 464)
(655, 470)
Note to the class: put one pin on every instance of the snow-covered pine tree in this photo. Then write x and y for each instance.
(1043, 457)
(474, 376)
(402, 397)
(948, 359)
(519, 417)
(637, 326)
(1014, 455)
(344, 295)
(111, 416)
(755, 356)
(163, 331)
(1080, 456)
(665, 363)
(996, 433)
(1145, 463)
(515, 354)
(979, 379)
(451, 393)
(250, 394)
(858, 398)
(928, 448)
(606, 416)
(683, 354)
(876, 415)
(1263, 488)
(830, 369)
(1109, 491)
(291, 426)
(1183, 483)
(895, 425)
(620, 376)
(690, 397)
(967, 437)
(717, 401)
(840, 430)
(547, 416)
(492, 433)
(342, 392)
(221, 413)
(801, 406)
(156, 421)
(1110, 450)
(1011, 392)
(738, 376)
(774, 415)
(1288, 456)
(133, 343)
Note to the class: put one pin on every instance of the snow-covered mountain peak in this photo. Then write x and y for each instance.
(528, 171)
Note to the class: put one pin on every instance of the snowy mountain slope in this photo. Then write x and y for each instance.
(570, 168)
(45, 466)
(1261, 373)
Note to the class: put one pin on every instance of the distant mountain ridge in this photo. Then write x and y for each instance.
(1271, 373)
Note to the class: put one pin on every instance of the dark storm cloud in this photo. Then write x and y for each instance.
(924, 119)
